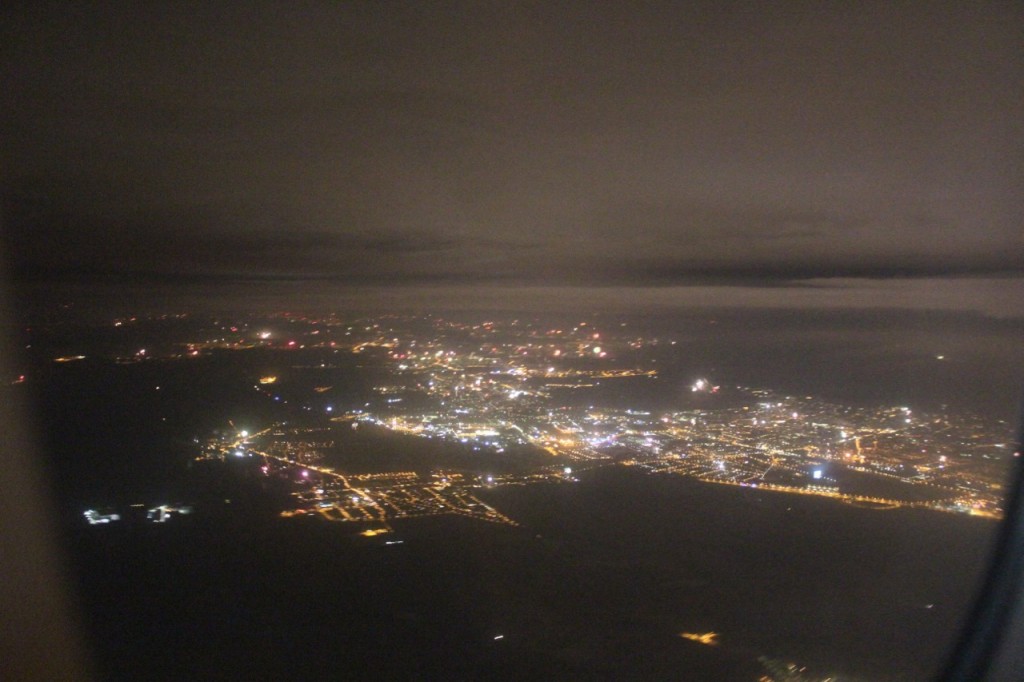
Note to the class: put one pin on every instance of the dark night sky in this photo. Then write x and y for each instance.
(514, 144)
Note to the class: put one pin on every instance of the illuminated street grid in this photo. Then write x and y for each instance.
(491, 386)
(371, 498)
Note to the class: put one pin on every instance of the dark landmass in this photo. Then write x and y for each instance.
(597, 584)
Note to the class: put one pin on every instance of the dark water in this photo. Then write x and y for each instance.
(837, 588)
(886, 358)
(116, 433)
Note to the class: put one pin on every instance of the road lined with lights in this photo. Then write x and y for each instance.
(369, 502)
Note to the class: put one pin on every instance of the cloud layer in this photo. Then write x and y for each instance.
(512, 143)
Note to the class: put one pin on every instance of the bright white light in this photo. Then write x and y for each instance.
(264, 335)
(597, 350)
(567, 471)
(243, 434)
(816, 474)
(239, 453)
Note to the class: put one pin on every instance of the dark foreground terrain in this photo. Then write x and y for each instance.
(598, 583)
